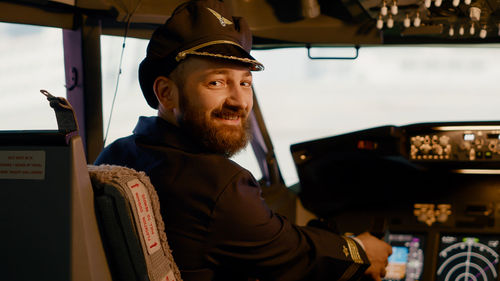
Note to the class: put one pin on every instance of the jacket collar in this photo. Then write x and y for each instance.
(157, 131)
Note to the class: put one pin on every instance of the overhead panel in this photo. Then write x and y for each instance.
(264, 20)
(282, 23)
(450, 20)
(293, 22)
(33, 14)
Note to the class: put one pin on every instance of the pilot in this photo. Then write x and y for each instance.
(198, 75)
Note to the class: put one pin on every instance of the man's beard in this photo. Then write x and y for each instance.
(216, 138)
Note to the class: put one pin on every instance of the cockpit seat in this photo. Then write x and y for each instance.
(132, 228)
(49, 228)
(55, 227)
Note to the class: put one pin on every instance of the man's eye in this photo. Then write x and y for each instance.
(246, 84)
(216, 83)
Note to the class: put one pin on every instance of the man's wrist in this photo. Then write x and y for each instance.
(359, 242)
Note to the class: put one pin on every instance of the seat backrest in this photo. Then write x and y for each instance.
(49, 229)
(49, 220)
(133, 231)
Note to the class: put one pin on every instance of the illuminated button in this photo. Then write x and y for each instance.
(443, 140)
(437, 149)
(367, 145)
(447, 150)
(488, 154)
(467, 145)
(425, 148)
(479, 154)
(469, 137)
(417, 141)
(472, 154)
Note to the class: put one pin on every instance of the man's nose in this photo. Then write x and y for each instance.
(239, 96)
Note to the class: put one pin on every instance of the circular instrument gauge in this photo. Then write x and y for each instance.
(463, 258)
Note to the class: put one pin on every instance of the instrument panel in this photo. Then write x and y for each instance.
(467, 257)
(431, 190)
(407, 259)
(455, 143)
(460, 256)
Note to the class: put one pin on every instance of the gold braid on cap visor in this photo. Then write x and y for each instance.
(182, 55)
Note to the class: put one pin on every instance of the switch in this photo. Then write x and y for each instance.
(443, 140)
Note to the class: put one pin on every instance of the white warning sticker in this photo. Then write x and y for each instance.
(25, 164)
(146, 216)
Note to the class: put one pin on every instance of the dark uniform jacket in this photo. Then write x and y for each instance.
(217, 223)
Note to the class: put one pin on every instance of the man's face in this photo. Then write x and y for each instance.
(215, 99)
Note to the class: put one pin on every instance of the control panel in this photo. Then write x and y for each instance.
(431, 190)
(456, 143)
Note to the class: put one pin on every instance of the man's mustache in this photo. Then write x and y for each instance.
(230, 111)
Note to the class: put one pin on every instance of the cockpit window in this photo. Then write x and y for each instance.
(129, 102)
(32, 58)
(303, 99)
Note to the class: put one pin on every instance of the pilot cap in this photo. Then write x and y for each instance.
(196, 28)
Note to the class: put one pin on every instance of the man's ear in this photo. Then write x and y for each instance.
(166, 92)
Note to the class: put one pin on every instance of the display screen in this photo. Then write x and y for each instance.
(468, 257)
(407, 259)
(469, 137)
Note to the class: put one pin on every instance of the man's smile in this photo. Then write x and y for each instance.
(228, 118)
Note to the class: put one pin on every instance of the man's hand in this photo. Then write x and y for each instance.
(377, 251)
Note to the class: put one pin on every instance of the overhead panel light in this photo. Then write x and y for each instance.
(394, 8)
(390, 22)
(407, 21)
(472, 29)
(417, 21)
(380, 22)
(383, 10)
(483, 33)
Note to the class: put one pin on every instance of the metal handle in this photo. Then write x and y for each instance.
(332, 58)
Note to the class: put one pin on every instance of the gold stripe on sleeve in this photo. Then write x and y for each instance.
(353, 249)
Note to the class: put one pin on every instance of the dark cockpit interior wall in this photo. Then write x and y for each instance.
(431, 190)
